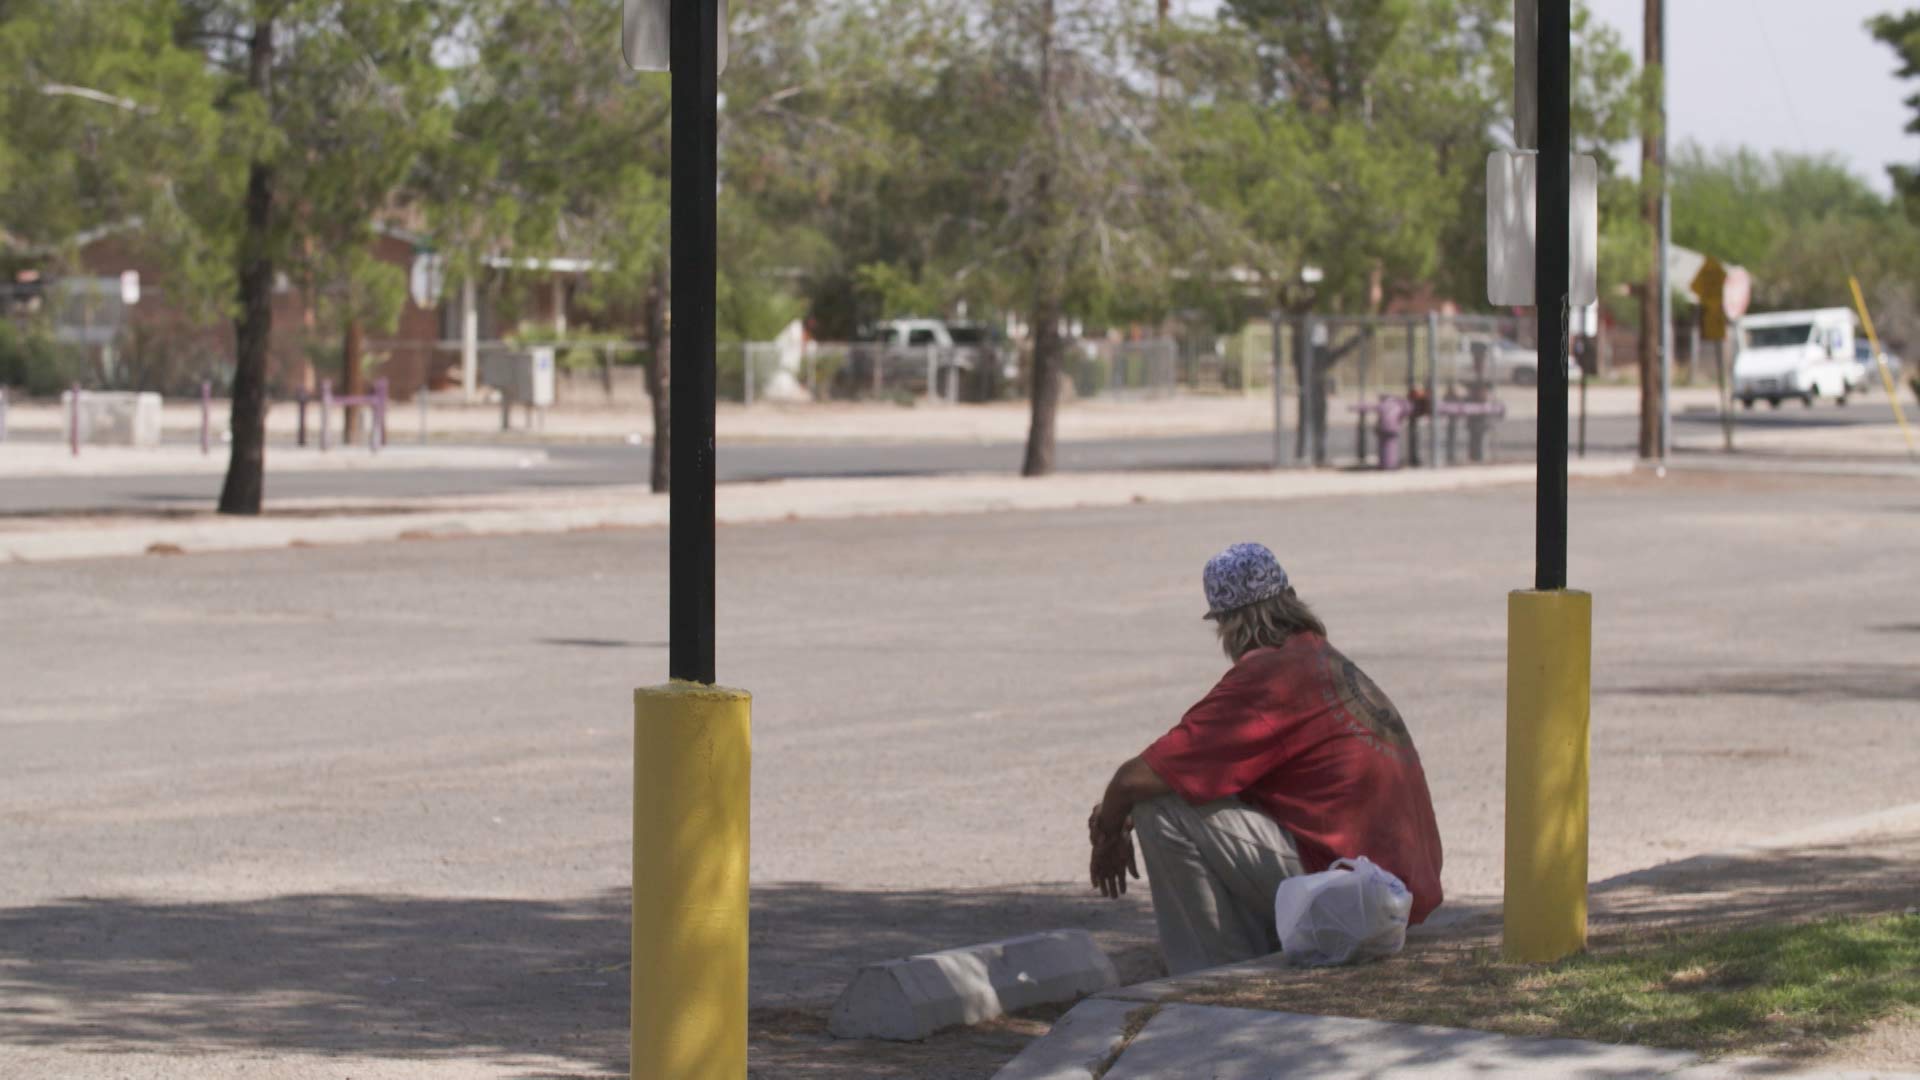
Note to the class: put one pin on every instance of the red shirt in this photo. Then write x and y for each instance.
(1303, 735)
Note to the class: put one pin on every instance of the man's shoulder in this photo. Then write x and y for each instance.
(1301, 651)
(1270, 674)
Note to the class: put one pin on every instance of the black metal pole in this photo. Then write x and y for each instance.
(693, 36)
(1550, 285)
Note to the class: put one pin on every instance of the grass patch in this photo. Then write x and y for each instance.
(1788, 990)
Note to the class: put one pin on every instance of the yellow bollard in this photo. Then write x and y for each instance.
(692, 748)
(1549, 687)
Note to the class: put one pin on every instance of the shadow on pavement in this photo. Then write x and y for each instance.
(1831, 682)
(600, 643)
(456, 978)
(1716, 891)
(1719, 891)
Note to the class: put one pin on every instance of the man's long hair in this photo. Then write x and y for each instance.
(1267, 624)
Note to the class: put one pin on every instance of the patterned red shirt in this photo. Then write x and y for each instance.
(1303, 735)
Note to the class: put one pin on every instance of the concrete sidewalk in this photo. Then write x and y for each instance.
(22, 459)
(346, 521)
(1108, 1038)
(849, 422)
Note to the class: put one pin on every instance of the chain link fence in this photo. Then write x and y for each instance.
(877, 371)
(1454, 372)
(1438, 386)
(1125, 370)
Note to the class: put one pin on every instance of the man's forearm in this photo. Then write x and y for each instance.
(1133, 782)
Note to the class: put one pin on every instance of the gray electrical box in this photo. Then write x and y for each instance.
(523, 376)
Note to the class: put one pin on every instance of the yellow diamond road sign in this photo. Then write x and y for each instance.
(1710, 286)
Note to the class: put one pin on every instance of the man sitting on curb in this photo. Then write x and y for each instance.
(1295, 759)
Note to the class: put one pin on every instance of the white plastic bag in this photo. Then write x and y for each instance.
(1354, 910)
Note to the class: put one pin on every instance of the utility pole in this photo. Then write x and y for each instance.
(1653, 182)
(1666, 244)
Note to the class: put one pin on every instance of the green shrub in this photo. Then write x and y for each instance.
(583, 350)
(35, 362)
(827, 366)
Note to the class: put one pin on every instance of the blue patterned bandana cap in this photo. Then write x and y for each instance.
(1241, 575)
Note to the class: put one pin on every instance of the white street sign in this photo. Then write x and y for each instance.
(1738, 292)
(425, 278)
(644, 26)
(1586, 320)
(129, 286)
(1510, 229)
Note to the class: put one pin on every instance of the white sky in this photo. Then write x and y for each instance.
(1833, 91)
(1723, 89)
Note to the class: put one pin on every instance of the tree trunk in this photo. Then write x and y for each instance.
(657, 381)
(253, 328)
(1043, 383)
(1652, 175)
(1302, 393)
(352, 379)
(1044, 262)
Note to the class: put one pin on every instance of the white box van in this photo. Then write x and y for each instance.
(1803, 354)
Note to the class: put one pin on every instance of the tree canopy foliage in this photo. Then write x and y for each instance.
(1040, 163)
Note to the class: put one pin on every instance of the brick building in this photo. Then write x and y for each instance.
(166, 341)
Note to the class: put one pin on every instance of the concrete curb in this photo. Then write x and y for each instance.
(912, 998)
(1244, 1044)
(35, 460)
(1083, 1044)
(1748, 1068)
(737, 504)
(1110, 1038)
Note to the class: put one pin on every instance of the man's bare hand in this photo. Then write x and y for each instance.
(1098, 834)
(1112, 861)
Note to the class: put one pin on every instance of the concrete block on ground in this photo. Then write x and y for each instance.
(914, 997)
(1251, 1044)
(113, 418)
(1082, 1043)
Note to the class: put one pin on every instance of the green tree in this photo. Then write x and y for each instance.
(560, 150)
(1801, 224)
(106, 120)
(329, 108)
(1901, 33)
(1353, 139)
(1074, 203)
(836, 128)
(563, 151)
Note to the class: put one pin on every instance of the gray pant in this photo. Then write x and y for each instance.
(1213, 870)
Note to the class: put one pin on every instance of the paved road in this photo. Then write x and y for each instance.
(365, 810)
(592, 466)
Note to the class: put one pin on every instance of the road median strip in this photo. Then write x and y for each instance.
(43, 539)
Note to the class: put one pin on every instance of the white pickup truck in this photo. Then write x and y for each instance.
(1797, 354)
